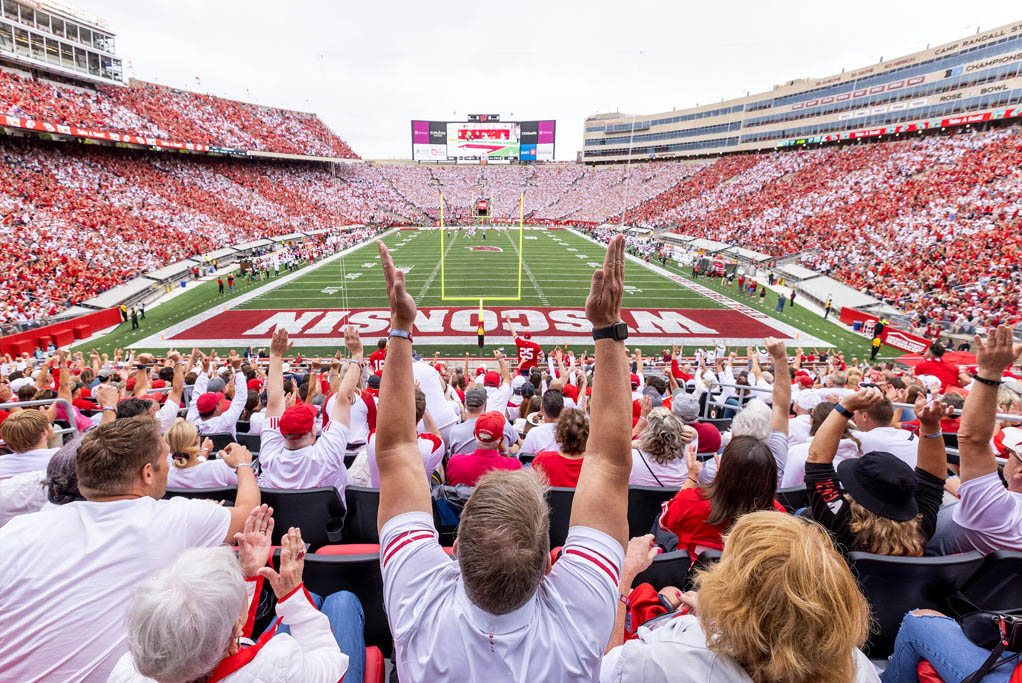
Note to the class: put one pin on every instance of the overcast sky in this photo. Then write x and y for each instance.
(368, 68)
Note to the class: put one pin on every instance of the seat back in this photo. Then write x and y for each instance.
(242, 426)
(722, 424)
(363, 509)
(792, 498)
(317, 512)
(706, 559)
(997, 584)
(668, 569)
(220, 441)
(360, 574)
(896, 585)
(250, 441)
(644, 505)
(559, 499)
(225, 493)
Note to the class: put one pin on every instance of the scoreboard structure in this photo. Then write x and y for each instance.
(483, 138)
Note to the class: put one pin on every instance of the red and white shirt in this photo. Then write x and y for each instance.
(431, 448)
(376, 360)
(321, 464)
(439, 634)
(528, 353)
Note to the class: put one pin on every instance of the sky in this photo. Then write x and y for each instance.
(369, 68)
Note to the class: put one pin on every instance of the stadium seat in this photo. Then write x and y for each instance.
(667, 569)
(722, 424)
(559, 498)
(242, 427)
(644, 505)
(360, 523)
(896, 585)
(792, 498)
(227, 494)
(250, 441)
(317, 512)
(376, 668)
(220, 441)
(526, 458)
(705, 559)
(360, 574)
(997, 583)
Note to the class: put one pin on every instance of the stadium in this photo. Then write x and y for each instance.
(733, 367)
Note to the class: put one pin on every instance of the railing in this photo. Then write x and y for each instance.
(68, 412)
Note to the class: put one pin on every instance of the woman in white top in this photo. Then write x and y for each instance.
(795, 468)
(190, 466)
(658, 456)
(781, 606)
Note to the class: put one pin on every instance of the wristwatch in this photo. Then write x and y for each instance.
(403, 334)
(618, 332)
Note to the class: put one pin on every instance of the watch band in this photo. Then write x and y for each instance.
(618, 332)
(402, 334)
(841, 410)
(988, 382)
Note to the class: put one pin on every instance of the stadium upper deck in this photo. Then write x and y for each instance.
(974, 79)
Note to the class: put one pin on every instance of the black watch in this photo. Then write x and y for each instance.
(618, 332)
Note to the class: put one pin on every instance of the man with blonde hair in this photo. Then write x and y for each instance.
(27, 433)
(501, 613)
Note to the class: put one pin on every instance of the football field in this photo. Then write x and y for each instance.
(537, 278)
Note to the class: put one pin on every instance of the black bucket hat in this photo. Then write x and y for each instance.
(881, 483)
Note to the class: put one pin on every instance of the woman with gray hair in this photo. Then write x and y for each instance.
(190, 622)
(658, 454)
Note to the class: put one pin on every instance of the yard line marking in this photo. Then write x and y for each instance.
(528, 272)
(436, 269)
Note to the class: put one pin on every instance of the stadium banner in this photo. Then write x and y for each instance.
(429, 140)
(454, 324)
(74, 131)
(905, 341)
(482, 140)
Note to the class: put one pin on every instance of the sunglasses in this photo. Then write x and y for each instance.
(1014, 453)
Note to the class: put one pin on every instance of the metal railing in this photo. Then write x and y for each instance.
(68, 412)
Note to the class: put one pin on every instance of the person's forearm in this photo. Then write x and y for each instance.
(932, 453)
(275, 387)
(781, 394)
(824, 444)
(397, 402)
(977, 427)
(248, 496)
(611, 403)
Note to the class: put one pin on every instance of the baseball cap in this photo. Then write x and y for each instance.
(489, 427)
(475, 397)
(1008, 438)
(105, 373)
(208, 402)
(807, 399)
(374, 382)
(491, 379)
(635, 380)
(881, 483)
(685, 406)
(526, 336)
(805, 381)
(254, 384)
(216, 385)
(297, 421)
(654, 396)
(481, 370)
(570, 391)
(21, 382)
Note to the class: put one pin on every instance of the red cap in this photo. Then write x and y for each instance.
(570, 391)
(255, 384)
(481, 370)
(635, 380)
(158, 384)
(489, 427)
(805, 381)
(526, 336)
(297, 421)
(208, 402)
(491, 379)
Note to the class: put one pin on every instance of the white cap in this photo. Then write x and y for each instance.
(807, 399)
(21, 382)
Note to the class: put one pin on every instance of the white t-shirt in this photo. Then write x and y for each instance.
(542, 437)
(358, 428)
(256, 422)
(29, 461)
(66, 576)
(798, 429)
(990, 515)
(795, 469)
(497, 398)
(671, 474)
(206, 475)
(321, 464)
(462, 436)
(432, 387)
(900, 443)
(431, 448)
(21, 494)
(439, 634)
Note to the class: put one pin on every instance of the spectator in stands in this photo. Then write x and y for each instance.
(686, 408)
(66, 573)
(989, 516)
(795, 468)
(887, 508)
(61, 483)
(431, 446)
(501, 595)
(498, 385)
(291, 456)
(563, 467)
(778, 586)
(935, 366)
(745, 482)
(206, 411)
(658, 458)
(543, 437)
(190, 464)
(27, 433)
(187, 622)
(491, 454)
(876, 433)
(462, 436)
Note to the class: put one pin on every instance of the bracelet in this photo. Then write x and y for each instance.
(988, 382)
(844, 412)
(935, 435)
(245, 464)
(624, 600)
(403, 334)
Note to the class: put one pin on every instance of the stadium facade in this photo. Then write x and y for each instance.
(967, 81)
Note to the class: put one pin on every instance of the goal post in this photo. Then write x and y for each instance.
(481, 298)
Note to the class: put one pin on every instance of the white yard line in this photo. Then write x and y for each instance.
(436, 269)
(528, 271)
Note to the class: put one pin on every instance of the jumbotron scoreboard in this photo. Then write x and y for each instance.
(483, 137)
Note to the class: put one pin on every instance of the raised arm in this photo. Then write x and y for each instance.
(505, 375)
(932, 452)
(279, 345)
(978, 422)
(782, 386)
(341, 412)
(601, 498)
(823, 446)
(402, 486)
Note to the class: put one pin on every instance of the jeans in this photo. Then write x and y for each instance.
(940, 641)
(347, 621)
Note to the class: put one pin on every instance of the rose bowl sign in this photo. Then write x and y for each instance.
(457, 325)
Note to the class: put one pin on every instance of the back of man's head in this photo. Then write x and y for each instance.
(553, 404)
(133, 407)
(838, 379)
(111, 455)
(504, 540)
(475, 400)
(24, 430)
(881, 413)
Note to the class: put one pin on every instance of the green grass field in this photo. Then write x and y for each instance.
(556, 267)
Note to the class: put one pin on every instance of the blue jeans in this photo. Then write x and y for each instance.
(348, 622)
(940, 641)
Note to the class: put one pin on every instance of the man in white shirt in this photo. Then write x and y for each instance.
(500, 612)
(462, 436)
(27, 433)
(437, 404)
(66, 573)
(800, 425)
(290, 454)
(990, 515)
(877, 434)
(543, 437)
(498, 386)
(204, 411)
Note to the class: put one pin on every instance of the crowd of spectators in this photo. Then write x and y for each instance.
(102, 575)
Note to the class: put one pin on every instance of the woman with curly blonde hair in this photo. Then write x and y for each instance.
(781, 606)
(658, 458)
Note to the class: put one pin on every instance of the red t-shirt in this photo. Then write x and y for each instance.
(528, 353)
(3, 416)
(559, 471)
(947, 373)
(468, 467)
(376, 359)
(685, 515)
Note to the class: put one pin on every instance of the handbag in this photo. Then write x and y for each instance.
(994, 630)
